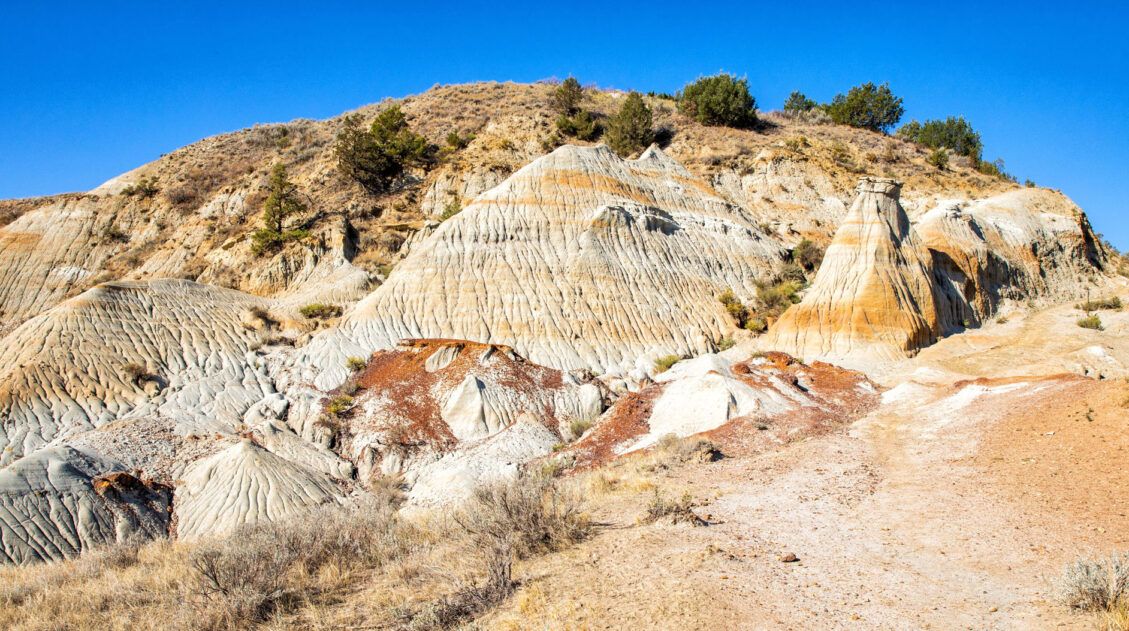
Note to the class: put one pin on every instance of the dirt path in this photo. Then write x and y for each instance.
(955, 505)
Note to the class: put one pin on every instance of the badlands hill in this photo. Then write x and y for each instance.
(523, 310)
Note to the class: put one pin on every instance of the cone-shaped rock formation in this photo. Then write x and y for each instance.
(872, 299)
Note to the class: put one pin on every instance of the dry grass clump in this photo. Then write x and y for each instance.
(680, 511)
(530, 515)
(663, 364)
(671, 449)
(320, 311)
(1097, 585)
(334, 567)
(1091, 321)
(1113, 303)
(261, 569)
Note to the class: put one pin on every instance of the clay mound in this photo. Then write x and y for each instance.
(766, 400)
(166, 348)
(429, 397)
(579, 260)
(873, 297)
(58, 502)
(246, 484)
(1024, 244)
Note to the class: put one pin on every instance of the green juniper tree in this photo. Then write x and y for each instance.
(283, 201)
(722, 99)
(868, 106)
(629, 130)
(378, 156)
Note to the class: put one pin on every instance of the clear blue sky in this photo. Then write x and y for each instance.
(91, 89)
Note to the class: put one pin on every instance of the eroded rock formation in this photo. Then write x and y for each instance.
(579, 260)
(873, 298)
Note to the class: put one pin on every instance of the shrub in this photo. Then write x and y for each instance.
(792, 271)
(260, 569)
(283, 201)
(112, 233)
(841, 155)
(954, 134)
(135, 372)
(663, 364)
(939, 158)
(722, 99)
(355, 364)
(581, 125)
(868, 106)
(1091, 321)
(798, 103)
(578, 426)
(671, 449)
(377, 157)
(450, 210)
(320, 311)
(808, 255)
(339, 405)
(1101, 585)
(734, 307)
(774, 299)
(725, 344)
(1112, 303)
(456, 141)
(995, 169)
(527, 515)
(756, 324)
(629, 130)
(144, 188)
(680, 511)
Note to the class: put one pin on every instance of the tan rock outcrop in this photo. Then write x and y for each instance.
(873, 297)
(579, 260)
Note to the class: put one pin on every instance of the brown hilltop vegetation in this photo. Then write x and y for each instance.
(531, 386)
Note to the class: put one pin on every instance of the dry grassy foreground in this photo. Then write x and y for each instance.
(851, 529)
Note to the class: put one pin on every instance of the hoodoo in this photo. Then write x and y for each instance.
(873, 297)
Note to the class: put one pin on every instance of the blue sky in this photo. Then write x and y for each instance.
(89, 90)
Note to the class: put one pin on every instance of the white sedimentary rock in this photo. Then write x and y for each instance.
(58, 502)
(579, 260)
(246, 484)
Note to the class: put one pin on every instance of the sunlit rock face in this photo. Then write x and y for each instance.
(579, 260)
(873, 297)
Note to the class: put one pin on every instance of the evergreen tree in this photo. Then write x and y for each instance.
(567, 97)
(376, 158)
(282, 201)
(798, 102)
(719, 100)
(955, 134)
(629, 130)
(868, 106)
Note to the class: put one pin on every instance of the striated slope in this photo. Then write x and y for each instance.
(873, 297)
(579, 260)
(1024, 244)
(170, 348)
(245, 484)
(59, 502)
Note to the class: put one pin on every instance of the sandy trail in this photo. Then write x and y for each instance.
(955, 504)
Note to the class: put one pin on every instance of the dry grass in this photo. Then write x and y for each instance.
(680, 511)
(332, 567)
(1097, 585)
